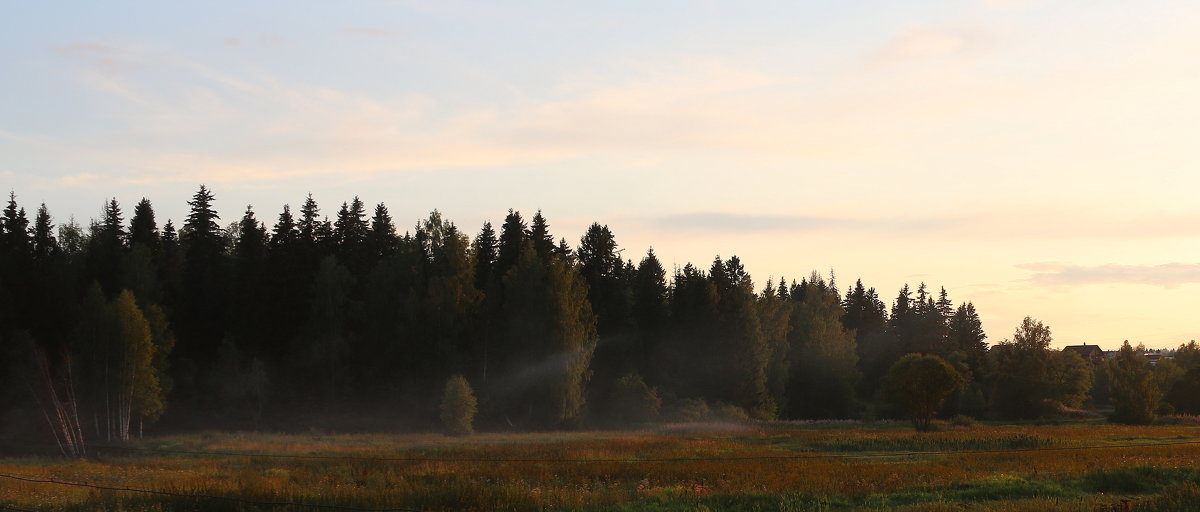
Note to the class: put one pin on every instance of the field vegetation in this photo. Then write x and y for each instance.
(1083, 466)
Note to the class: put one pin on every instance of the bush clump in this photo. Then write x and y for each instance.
(634, 402)
(458, 407)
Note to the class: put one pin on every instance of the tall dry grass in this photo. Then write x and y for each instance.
(846, 467)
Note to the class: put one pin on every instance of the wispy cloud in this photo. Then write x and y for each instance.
(369, 32)
(727, 223)
(1032, 224)
(1166, 275)
(928, 43)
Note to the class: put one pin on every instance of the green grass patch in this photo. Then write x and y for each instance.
(928, 443)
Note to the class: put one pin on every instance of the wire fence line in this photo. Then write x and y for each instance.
(629, 460)
(198, 496)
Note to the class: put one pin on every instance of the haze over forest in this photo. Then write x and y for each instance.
(348, 321)
(1034, 157)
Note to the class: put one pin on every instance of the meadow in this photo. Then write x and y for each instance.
(1084, 466)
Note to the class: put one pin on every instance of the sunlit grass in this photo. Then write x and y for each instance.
(847, 467)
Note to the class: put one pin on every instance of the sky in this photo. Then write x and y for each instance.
(1035, 157)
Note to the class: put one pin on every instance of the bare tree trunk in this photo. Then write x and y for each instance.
(64, 422)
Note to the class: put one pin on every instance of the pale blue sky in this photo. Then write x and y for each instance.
(1037, 157)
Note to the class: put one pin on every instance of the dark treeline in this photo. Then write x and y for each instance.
(300, 320)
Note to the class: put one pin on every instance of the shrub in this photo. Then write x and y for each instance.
(689, 409)
(458, 407)
(920, 383)
(962, 420)
(635, 402)
(727, 412)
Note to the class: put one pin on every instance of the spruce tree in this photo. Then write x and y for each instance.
(350, 232)
(823, 356)
(284, 234)
(512, 240)
(539, 233)
(484, 247)
(17, 241)
(965, 335)
(552, 334)
(309, 221)
(44, 243)
(382, 238)
(142, 227)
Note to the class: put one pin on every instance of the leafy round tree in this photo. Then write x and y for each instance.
(1135, 394)
(458, 407)
(920, 383)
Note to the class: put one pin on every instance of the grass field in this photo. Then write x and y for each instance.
(777, 467)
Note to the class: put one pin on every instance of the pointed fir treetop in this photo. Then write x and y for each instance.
(284, 233)
(111, 229)
(253, 239)
(310, 221)
(44, 243)
(382, 237)
(943, 305)
(539, 233)
(143, 229)
(512, 239)
(484, 247)
(16, 227)
(201, 224)
(350, 228)
(169, 236)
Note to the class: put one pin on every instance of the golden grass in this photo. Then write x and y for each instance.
(1049, 472)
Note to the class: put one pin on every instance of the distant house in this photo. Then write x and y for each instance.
(1091, 353)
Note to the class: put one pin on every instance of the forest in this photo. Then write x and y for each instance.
(126, 325)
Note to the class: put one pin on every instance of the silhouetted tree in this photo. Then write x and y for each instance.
(919, 383)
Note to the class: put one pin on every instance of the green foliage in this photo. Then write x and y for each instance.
(552, 332)
(823, 356)
(920, 383)
(1184, 394)
(1028, 377)
(458, 407)
(139, 392)
(1187, 356)
(634, 402)
(1135, 391)
(688, 410)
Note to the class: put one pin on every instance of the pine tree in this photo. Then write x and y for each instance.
(602, 269)
(651, 310)
(350, 232)
(965, 335)
(823, 357)
(485, 247)
(382, 238)
(284, 235)
(609, 293)
(15, 232)
(512, 240)
(142, 227)
(309, 221)
(44, 243)
(202, 288)
(539, 233)
(552, 332)
(203, 238)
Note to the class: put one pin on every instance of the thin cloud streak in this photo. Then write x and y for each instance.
(1167, 275)
(1032, 225)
